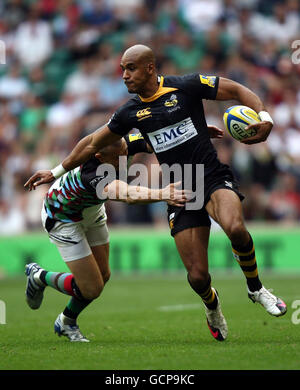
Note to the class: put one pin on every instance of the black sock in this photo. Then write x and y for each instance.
(207, 294)
(75, 307)
(245, 256)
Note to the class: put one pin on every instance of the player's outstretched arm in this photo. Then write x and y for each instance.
(85, 149)
(231, 90)
(89, 146)
(121, 191)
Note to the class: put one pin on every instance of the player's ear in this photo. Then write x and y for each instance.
(98, 155)
(151, 68)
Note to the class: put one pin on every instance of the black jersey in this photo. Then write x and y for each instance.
(172, 121)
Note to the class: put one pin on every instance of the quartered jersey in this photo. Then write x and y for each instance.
(172, 121)
(77, 190)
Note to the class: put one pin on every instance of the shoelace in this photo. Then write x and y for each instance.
(268, 296)
(74, 332)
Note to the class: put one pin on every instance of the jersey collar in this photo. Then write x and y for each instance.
(161, 91)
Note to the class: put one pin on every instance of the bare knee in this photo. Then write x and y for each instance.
(237, 233)
(197, 273)
(92, 290)
(106, 276)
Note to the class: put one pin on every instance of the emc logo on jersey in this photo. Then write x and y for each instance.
(143, 114)
(173, 135)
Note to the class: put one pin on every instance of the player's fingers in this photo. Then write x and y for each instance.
(178, 204)
(177, 184)
(179, 194)
(187, 195)
(31, 186)
(254, 126)
(38, 183)
(215, 132)
(246, 141)
(31, 180)
(250, 141)
(218, 130)
(27, 183)
(180, 199)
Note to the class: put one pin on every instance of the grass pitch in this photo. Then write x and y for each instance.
(152, 323)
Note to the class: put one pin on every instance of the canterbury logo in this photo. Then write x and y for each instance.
(143, 113)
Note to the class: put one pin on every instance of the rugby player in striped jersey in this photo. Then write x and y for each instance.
(74, 217)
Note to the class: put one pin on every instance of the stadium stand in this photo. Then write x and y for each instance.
(62, 80)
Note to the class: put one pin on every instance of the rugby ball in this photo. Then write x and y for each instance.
(237, 118)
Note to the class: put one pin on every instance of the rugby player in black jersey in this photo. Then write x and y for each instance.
(168, 111)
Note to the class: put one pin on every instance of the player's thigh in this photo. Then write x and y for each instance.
(101, 254)
(192, 245)
(98, 238)
(225, 208)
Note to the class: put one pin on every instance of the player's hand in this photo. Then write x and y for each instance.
(40, 177)
(215, 132)
(174, 195)
(263, 129)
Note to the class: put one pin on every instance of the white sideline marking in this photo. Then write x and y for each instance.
(188, 306)
(2, 313)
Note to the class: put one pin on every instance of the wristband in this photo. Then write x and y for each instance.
(58, 171)
(264, 116)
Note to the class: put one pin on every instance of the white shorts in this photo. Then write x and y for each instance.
(75, 239)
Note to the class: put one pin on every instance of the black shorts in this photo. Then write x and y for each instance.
(180, 219)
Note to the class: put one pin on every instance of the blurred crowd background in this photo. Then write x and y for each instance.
(61, 80)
